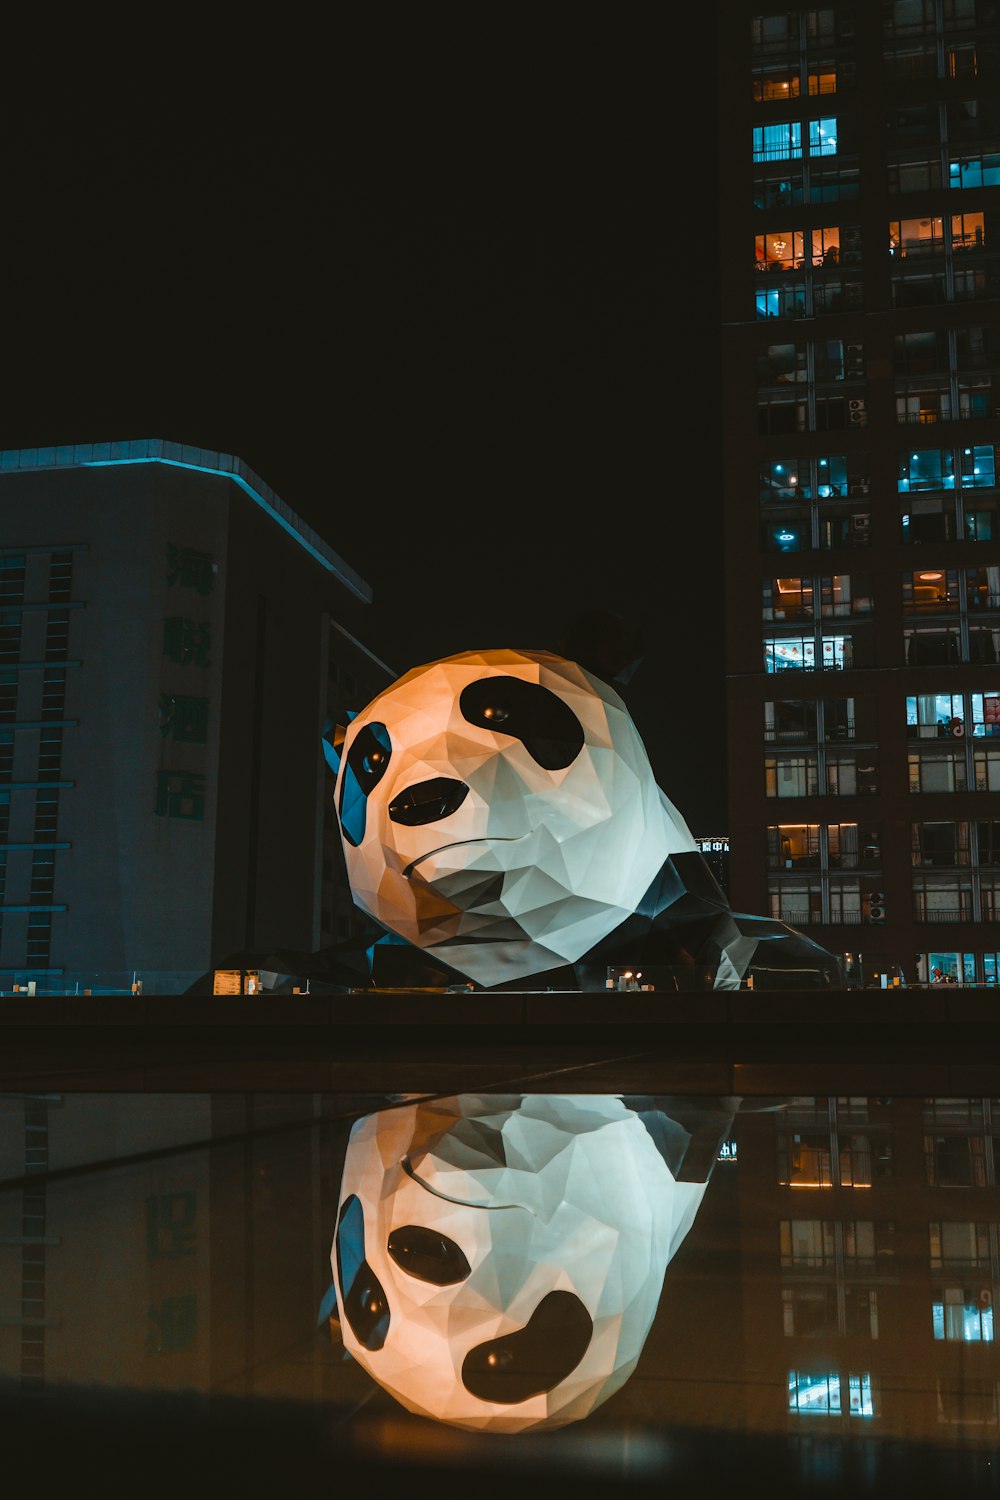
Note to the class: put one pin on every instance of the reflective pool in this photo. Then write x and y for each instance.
(491, 1288)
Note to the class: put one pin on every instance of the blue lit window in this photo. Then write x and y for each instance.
(787, 537)
(978, 467)
(974, 171)
(777, 142)
(963, 1315)
(813, 1395)
(769, 304)
(798, 653)
(820, 1395)
(783, 142)
(823, 137)
(928, 469)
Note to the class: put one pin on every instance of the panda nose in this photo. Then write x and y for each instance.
(428, 801)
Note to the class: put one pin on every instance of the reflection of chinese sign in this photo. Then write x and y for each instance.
(991, 708)
(191, 569)
(174, 1324)
(180, 794)
(186, 641)
(184, 719)
(169, 1225)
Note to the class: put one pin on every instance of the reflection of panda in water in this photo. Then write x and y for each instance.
(499, 1260)
(500, 820)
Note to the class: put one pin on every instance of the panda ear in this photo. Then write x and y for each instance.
(333, 743)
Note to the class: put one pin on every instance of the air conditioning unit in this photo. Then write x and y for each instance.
(858, 484)
(875, 906)
(856, 413)
(855, 361)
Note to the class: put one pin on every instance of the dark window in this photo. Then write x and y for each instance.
(60, 577)
(57, 635)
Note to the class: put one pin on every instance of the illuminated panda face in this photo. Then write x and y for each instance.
(498, 809)
(499, 1261)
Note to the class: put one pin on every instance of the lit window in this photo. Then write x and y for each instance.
(820, 1394)
(963, 1315)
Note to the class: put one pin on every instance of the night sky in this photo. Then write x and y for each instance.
(445, 296)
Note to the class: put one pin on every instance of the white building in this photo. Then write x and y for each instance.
(168, 631)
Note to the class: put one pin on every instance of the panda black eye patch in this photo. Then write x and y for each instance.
(366, 1306)
(366, 764)
(546, 726)
(536, 1358)
(428, 1255)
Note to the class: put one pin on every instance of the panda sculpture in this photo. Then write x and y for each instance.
(499, 1261)
(500, 822)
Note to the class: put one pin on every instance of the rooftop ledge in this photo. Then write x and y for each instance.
(203, 461)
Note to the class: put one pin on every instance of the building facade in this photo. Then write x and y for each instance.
(860, 382)
(169, 629)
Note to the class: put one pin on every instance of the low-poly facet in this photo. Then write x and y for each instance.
(541, 1194)
(502, 846)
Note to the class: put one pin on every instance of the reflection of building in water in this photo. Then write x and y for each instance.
(871, 1226)
(188, 1256)
(840, 1276)
(105, 1277)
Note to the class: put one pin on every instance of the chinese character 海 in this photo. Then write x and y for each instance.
(193, 570)
(184, 719)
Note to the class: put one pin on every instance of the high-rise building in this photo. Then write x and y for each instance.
(171, 635)
(860, 306)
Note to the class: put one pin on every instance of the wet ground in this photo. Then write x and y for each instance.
(566, 1262)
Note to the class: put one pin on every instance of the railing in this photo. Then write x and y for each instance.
(835, 919)
(779, 664)
(922, 914)
(940, 731)
(836, 736)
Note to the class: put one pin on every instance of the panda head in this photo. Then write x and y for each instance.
(498, 809)
(498, 1261)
